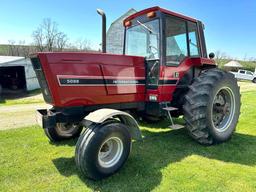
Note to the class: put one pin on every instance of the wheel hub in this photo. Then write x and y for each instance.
(223, 109)
(110, 152)
(66, 129)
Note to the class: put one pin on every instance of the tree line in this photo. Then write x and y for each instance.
(47, 37)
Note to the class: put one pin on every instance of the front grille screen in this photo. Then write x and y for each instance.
(41, 79)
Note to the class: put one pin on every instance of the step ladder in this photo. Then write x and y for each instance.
(172, 126)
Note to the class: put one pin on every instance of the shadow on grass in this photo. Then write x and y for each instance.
(2, 100)
(18, 94)
(69, 142)
(142, 171)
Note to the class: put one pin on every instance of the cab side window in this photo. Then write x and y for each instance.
(181, 39)
(176, 40)
(193, 40)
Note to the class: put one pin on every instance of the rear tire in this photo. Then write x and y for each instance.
(63, 131)
(103, 149)
(212, 107)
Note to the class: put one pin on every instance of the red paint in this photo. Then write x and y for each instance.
(91, 66)
(145, 11)
(202, 61)
(106, 66)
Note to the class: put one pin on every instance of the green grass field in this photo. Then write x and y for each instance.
(165, 161)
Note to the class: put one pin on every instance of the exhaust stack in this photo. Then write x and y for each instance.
(101, 12)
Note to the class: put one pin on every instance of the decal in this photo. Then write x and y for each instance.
(78, 81)
(125, 81)
(98, 81)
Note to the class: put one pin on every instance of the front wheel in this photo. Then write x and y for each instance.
(212, 107)
(254, 80)
(103, 149)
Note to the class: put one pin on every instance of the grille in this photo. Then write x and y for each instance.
(41, 79)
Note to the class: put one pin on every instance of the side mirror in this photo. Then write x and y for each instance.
(211, 55)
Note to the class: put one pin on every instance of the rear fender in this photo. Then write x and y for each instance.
(101, 115)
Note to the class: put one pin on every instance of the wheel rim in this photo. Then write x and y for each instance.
(66, 129)
(110, 152)
(223, 109)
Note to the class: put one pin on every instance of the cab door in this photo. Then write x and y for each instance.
(181, 42)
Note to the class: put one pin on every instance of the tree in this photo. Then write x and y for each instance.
(83, 44)
(38, 39)
(221, 58)
(11, 51)
(62, 41)
(79, 45)
(47, 37)
(19, 49)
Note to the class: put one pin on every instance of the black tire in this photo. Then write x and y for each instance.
(151, 119)
(1, 89)
(63, 131)
(200, 105)
(254, 80)
(90, 144)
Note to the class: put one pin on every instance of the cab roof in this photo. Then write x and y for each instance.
(145, 11)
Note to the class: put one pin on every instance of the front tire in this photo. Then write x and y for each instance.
(63, 131)
(103, 149)
(212, 107)
(254, 80)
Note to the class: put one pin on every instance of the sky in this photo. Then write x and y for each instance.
(230, 25)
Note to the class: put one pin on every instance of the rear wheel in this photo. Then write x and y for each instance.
(212, 107)
(254, 80)
(103, 149)
(63, 131)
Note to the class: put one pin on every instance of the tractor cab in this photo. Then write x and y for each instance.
(170, 43)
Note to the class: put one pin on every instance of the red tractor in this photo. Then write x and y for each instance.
(164, 72)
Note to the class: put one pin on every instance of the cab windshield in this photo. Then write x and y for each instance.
(143, 39)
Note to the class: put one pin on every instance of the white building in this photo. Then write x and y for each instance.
(17, 73)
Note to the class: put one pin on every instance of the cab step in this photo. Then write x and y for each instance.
(172, 126)
(176, 126)
(170, 108)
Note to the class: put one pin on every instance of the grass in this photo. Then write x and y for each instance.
(29, 98)
(3, 49)
(166, 160)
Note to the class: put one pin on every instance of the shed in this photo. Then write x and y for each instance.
(232, 66)
(17, 73)
(115, 34)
